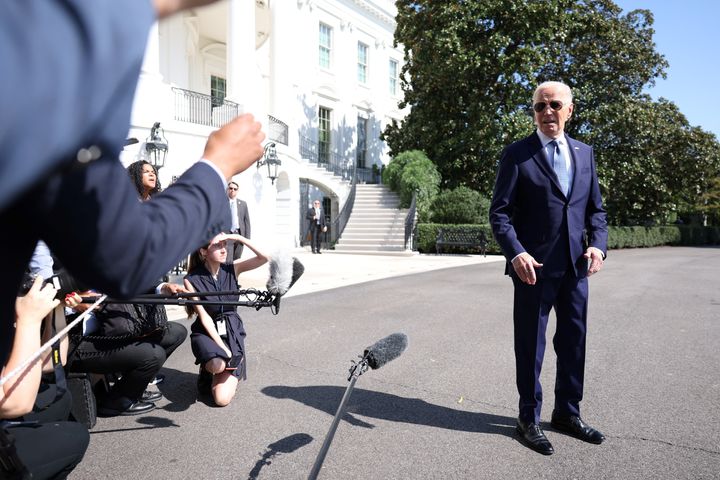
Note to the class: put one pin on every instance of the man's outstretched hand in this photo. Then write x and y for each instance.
(236, 146)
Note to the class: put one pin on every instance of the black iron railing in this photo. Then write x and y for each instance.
(194, 107)
(411, 225)
(277, 130)
(324, 157)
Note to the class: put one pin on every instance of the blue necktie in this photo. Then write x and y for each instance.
(560, 167)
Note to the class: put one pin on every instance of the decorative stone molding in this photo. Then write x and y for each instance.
(376, 12)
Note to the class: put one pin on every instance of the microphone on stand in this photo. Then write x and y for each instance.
(374, 357)
(284, 272)
(385, 350)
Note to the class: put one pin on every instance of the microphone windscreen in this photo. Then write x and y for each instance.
(284, 272)
(385, 350)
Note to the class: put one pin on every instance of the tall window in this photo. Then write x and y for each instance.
(324, 135)
(361, 141)
(362, 63)
(324, 45)
(393, 74)
(217, 90)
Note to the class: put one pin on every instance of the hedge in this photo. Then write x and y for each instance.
(618, 237)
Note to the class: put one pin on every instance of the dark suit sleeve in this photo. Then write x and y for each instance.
(245, 219)
(93, 221)
(69, 72)
(502, 205)
(595, 214)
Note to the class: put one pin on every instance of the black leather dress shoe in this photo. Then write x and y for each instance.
(532, 435)
(135, 408)
(573, 425)
(149, 396)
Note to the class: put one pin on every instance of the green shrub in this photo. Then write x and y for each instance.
(420, 175)
(618, 237)
(633, 237)
(392, 171)
(460, 205)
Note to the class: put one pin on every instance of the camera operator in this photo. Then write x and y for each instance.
(47, 449)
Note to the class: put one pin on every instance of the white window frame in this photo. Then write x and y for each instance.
(325, 49)
(363, 50)
(394, 77)
(324, 146)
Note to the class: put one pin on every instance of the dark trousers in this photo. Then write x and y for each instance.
(568, 296)
(50, 450)
(234, 250)
(138, 361)
(315, 236)
(53, 447)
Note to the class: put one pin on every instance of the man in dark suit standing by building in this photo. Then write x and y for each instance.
(547, 216)
(316, 225)
(240, 222)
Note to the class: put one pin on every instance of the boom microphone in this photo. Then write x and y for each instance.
(375, 356)
(385, 350)
(284, 272)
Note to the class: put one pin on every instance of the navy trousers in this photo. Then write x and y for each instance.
(568, 296)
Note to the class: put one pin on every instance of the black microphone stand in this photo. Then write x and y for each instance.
(253, 298)
(356, 370)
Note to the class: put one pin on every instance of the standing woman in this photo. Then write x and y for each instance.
(145, 178)
(218, 335)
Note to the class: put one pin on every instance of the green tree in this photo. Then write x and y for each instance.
(470, 69)
(651, 162)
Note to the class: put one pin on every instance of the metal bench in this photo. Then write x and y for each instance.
(461, 237)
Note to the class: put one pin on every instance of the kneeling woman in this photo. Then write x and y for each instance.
(218, 336)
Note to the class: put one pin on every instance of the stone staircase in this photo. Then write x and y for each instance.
(376, 225)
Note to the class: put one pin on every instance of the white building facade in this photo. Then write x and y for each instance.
(321, 75)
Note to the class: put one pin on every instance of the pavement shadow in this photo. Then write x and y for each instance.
(179, 388)
(393, 408)
(285, 445)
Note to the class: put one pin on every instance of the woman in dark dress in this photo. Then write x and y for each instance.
(217, 335)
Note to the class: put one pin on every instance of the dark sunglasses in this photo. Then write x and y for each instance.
(541, 106)
(232, 188)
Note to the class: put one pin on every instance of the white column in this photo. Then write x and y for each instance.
(151, 61)
(241, 63)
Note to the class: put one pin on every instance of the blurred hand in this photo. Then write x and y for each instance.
(236, 146)
(172, 289)
(36, 304)
(525, 265)
(72, 300)
(163, 8)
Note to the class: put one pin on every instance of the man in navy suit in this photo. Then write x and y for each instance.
(240, 222)
(548, 218)
(60, 179)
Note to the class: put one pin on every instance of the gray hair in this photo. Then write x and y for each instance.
(567, 93)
